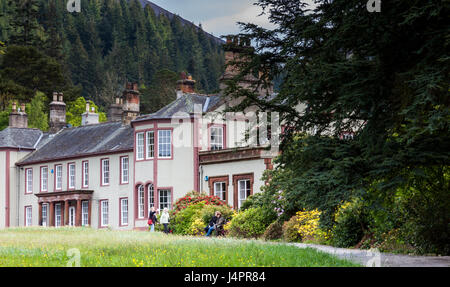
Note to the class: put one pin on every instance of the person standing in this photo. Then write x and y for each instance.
(165, 219)
(152, 219)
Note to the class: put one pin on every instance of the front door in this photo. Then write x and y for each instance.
(72, 216)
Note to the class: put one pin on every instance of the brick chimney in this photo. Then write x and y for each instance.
(115, 110)
(90, 117)
(18, 117)
(131, 103)
(57, 113)
(186, 85)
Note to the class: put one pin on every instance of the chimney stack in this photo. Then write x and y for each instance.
(186, 85)
(115, 110)
(18, 118)
(90, 117)
(57, 113)
(131, 103)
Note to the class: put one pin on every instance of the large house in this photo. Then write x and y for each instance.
(110, 174)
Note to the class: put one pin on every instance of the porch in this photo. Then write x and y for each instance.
(66, 208)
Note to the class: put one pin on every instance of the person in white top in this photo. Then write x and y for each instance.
(165, 219)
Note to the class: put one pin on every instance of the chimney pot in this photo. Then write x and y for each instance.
(87, 107)
(14, 107)
(55, 96)
(61, 97)
(22, 107)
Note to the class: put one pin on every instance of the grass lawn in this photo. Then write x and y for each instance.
(50, 246)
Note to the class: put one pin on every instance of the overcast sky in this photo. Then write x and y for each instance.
(217, 17)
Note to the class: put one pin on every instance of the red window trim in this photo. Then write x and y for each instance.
(40, 178)
(157, 144)
(157, 196)
(82, 174)
(224, 136)
(54, 177)
(68, 176)
(120, 168)
(236, 178)
(25, 215)
(120, 212)
(212, 180)
(26, 181)
(101, 172)
(100, 212)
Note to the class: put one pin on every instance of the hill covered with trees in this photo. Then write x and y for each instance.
(93, 53)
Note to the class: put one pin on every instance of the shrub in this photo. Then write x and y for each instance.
(351, 224)
(308, 224)
(197, 227)
(274, 231)
(208, 212)
(290, 231)
(194, 197)
(248, 223)
(183, 220)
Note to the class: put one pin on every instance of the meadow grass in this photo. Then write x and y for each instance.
(49, 247)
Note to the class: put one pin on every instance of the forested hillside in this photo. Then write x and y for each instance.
(99, 49)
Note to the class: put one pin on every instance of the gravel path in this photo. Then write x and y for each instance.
(376, 259)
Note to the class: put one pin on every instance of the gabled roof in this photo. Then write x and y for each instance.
(184, 104)
(20, 138)
(82, 141)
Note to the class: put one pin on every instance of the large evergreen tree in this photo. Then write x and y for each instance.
(384, 76)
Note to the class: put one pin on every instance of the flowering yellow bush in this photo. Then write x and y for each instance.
(307, 225)
(197, 227)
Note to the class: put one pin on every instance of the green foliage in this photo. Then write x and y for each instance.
(290, 231)
(78, 107)
(37, 118)
(4, 119)
(181, 223)
(274, 231)
(25, 70)
(351, 224)
(248, 224)
(261, 200)
(388, 85)
(208, 211)
(111, 42)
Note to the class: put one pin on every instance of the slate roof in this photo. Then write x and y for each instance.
(20, 138)
(82, 141)
(184, 104)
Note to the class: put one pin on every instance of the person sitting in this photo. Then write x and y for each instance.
(212, 224)
(219, 226)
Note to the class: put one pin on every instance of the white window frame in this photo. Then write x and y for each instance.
(29, 180)
(28, 216)
(247, 189)
(151, 196)
(165, 143)
(58, 214)
(84, 213)
(104, 213)
(124, 211)
(125, 172)
(222, 192)
(150, 147)
(85, 167)
(72, 173)
(140, 146)
(105, 172)
(58, 174)
(141, 201)
(44, 214)
(44, 178)
(165, 200)
(217, 141)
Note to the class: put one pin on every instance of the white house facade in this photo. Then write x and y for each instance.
(109, 175)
